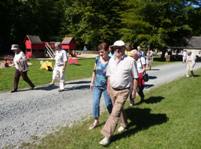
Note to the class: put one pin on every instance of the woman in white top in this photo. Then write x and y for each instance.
(60, 66)
(21, 67)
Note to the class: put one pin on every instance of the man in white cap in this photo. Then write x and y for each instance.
(121, 73)
(60, 66)
(21, 67)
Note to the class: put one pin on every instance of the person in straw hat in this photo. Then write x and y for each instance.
(21, 67)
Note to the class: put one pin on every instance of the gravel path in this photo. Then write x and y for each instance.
(30, 113)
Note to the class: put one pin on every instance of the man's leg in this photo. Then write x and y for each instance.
(141, 93)
(118, 104)
(61, 75)
(54, 75)
(26, 79)
(16, 80)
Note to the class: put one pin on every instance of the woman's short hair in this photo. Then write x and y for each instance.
(103, 46)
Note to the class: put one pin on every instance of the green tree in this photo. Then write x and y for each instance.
(157, 23)
(93, 21)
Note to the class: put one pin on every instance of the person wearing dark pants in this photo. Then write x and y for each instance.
(25, 78)
(21, 68)
(140, 87)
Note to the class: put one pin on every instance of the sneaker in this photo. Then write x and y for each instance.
(61, 90)
(132, 102)
(13, 91)
(50, 84)
(32, 88)
(121, 129)
(105, 141)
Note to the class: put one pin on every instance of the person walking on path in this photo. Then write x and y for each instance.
(135, 55)
(149, 58)
(121, 72)
(21, 67)
(60, 66)
(190, 64)
(99, 83)
(184, 56)
(141, 67)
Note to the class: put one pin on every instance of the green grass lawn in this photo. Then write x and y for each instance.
(169, 119)
(38, 76)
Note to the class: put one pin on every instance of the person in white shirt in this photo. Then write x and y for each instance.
(21, 67)
(60, 66)
(141, 67)
(190, 63)
(149, 58)
(121, 73)
(184, 56)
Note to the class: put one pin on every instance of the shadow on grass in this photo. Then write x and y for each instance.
(151, 100)
(141, 119)
(152, 77)
(196, 75)
(148, 85)
(154, 99)
(75, 64)
(154, 69)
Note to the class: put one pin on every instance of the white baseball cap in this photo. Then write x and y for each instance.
(15, 47)
(118, 43)
(57, 44)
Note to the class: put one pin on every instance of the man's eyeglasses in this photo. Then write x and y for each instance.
(119, 49)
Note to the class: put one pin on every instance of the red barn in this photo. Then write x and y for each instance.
(68, 43)
(34, 46)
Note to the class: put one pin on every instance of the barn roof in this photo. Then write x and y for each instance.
(191, 43)
(67, 40)
(34, 39)
(194, 43)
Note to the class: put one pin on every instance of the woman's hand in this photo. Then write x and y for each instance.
(91, 86)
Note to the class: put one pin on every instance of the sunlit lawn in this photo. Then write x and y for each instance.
(169, 119)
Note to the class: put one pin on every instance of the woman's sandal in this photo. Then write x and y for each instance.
(94, 125)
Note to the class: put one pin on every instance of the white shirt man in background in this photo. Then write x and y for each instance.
(190, 63)
(184, 56)
(60, 66)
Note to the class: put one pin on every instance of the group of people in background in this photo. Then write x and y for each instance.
(21, 67)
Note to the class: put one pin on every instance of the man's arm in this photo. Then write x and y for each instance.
(135, 80)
